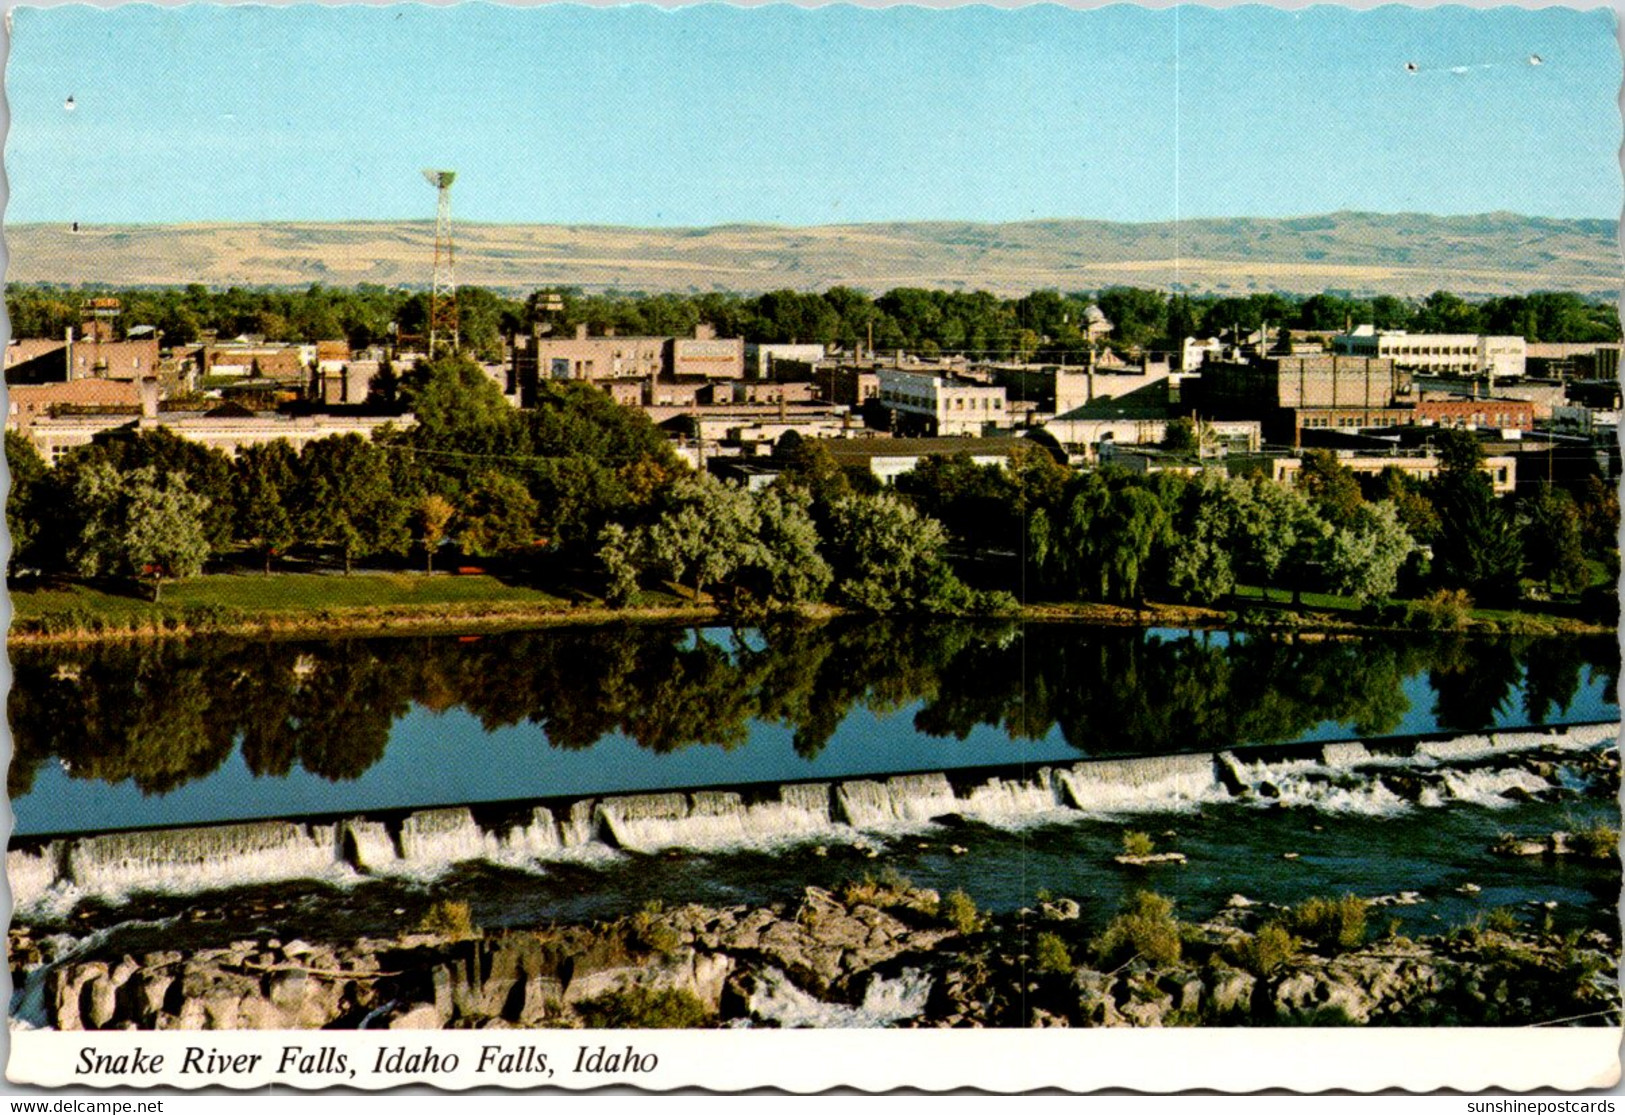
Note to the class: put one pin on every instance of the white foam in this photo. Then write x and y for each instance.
(1164, 782)
(716, 819)
(371, 843)
(885, 1002)
(1487, 787)
(903, 801)
(1591, 735)
(202, 858)
(30, 874)
(1456, 750)
(1364, 797)
(1009, 802)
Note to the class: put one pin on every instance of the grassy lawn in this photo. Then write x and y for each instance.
(283, 593)
(1316, 601)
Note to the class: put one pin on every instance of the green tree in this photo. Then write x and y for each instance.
(888, 557)
(1599, 524)
(743, 547)
(1181, 437)
(1208, 515)
(1331, 487)
(1478, 547)
(31, 504)
(498, 516)
(1367, 552)
(1138, 316)
(207, 471)
(263, 485)
(1284, 537)
(431, 515)
(349, 498)
(137, 525)
(1553, 546)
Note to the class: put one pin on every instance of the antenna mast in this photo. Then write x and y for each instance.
(443, 292)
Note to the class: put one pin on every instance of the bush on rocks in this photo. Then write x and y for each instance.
(959, 911)
(1147, 929)
(1050, 955)
(1266, 951)
(641, 1008)
(1330, 924)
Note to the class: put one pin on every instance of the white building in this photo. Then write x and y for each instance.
(940, 406)
(1457, 354)
(759, 359)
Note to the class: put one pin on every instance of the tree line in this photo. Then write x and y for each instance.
(579, 485)
(1045, 324)
(1110, 535)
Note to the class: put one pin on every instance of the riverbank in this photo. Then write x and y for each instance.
(384, 603)
(872, 953)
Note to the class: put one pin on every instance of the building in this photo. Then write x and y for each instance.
(889, 458)
(840, 383)
(228, 429)
(761, 361)
(33, 362)
(28, 402)
(538, 356)
(1057, 389)
(1475, 414)
(1289, 394)
(1453, 354)
(1578, 360)
(940, 406)
(705, 356)
(1502, 471)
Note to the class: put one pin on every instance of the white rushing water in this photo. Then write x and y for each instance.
(885, 1002)
(1480, 770)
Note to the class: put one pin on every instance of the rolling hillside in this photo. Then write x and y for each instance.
(1405, 254)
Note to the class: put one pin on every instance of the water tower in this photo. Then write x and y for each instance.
(443, 292)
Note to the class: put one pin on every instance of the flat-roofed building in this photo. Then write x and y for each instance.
(228, 430)
(706, 356)
(1475, 414)
(889, 458)
(28, 402)
(1455, 354)
(1502, 471)
(536, 357)
(777, 361)
(940, 406)
(1287, 394)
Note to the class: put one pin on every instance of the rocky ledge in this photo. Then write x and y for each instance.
(875, 954)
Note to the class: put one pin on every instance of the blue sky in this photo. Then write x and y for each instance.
(711, 115)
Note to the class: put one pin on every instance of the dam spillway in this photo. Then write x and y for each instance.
(1331, 777)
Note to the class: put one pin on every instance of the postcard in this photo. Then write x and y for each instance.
(555, 547)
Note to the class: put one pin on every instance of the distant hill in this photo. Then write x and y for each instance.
(1363, 253)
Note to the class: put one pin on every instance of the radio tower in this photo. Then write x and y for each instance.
(443, 294)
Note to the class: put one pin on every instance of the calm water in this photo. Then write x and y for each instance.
(178, 733)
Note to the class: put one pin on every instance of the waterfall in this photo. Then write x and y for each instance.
(715, 818)
(31, 873)
(199, 858)
(1333, 777)
(905, 800)
(1000, 799)
(1162, 782)
(367, 845)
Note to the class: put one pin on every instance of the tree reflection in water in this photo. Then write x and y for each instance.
(160, 714)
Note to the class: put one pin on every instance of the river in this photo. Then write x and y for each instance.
(342, 786)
